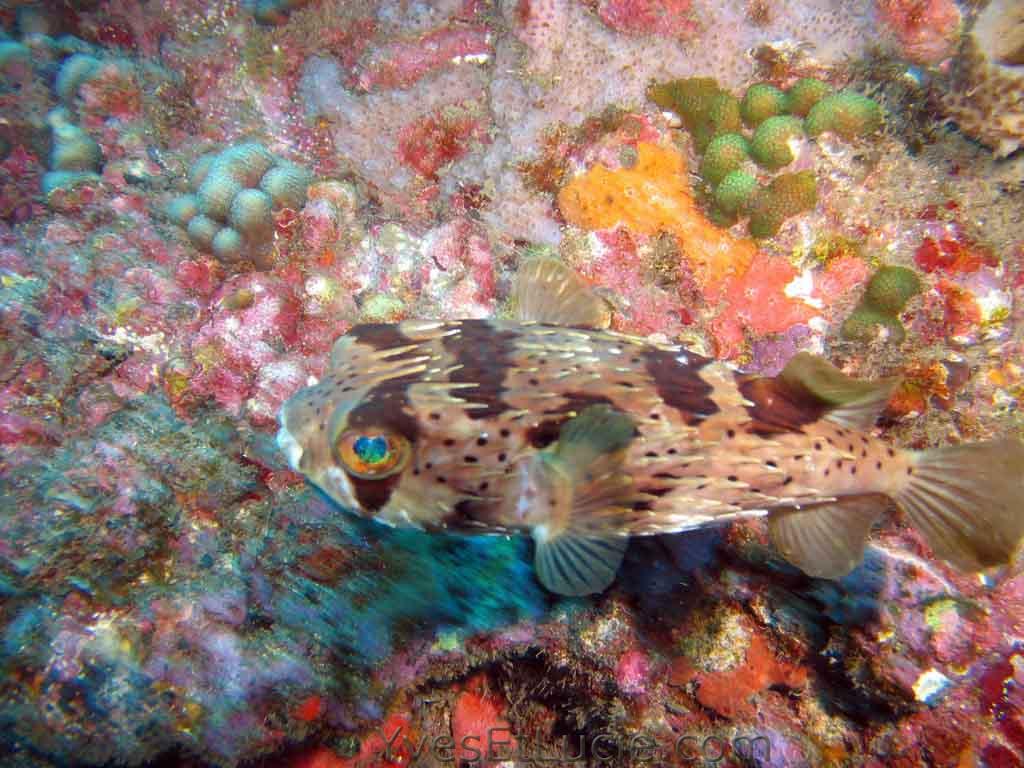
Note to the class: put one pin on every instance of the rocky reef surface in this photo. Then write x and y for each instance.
(197, 198)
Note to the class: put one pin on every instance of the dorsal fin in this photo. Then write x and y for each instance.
(850, 402)
(548, 291)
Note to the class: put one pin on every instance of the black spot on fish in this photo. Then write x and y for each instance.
(679, 385)
(484, 354)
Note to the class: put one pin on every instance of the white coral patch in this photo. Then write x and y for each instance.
(802, 287)
(930, 685)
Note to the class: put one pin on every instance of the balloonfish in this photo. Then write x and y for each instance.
(583, 437)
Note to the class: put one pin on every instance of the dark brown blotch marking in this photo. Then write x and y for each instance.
(679, 385)
(372, 495)
(545, 432)
(779, 406)
(467, 511)
(379, 336)
(485, 354)
(385, 406)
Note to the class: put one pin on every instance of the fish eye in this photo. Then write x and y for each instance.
(372, 454)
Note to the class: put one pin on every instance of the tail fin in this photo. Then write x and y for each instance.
(968, 501)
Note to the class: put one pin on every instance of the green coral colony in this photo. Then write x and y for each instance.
(777, 122)
(886, 295)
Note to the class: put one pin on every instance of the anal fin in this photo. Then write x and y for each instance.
(826, 541)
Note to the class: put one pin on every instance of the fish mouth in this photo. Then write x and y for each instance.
(290, 447)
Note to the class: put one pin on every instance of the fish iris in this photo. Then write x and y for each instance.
(372, 455)
(372, 450)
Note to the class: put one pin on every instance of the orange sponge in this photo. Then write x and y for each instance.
(651, 197)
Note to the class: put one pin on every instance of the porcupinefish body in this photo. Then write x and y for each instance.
(584, 437)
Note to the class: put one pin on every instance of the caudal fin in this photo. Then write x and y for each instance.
(968, 501)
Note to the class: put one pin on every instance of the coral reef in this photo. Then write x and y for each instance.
(237, 194)
(171, 594)
(650, 197)
(847, 114)
(886, 295)
(926, 31)
(713, 117)
(983, 91)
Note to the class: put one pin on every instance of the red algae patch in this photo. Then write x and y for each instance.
(757, 301)
(479, 725)
(729, 692)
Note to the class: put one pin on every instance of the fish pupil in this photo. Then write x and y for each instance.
(372, 450)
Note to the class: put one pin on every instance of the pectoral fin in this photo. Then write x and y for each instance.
(580, 480)
(826, 541)
(578, 565)
(548, 291)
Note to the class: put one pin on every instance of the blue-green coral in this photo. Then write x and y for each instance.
(236, 192)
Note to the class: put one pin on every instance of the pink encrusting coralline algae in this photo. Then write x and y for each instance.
(199, 197)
